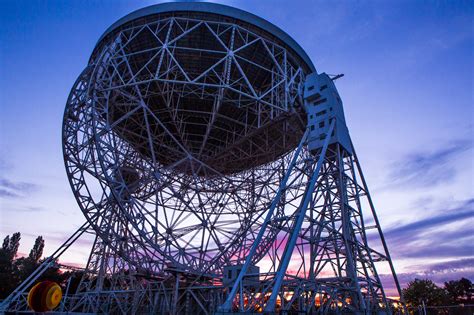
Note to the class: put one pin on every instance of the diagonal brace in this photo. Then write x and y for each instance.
(226, 307)
(297, 227)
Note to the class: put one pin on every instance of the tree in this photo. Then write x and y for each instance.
(37, 250)
(14, 271)
(419, 291)
(8, 272)
(10, 245)
(26, 265)
(459, 291)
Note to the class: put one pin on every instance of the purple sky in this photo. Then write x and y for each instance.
(407, 90)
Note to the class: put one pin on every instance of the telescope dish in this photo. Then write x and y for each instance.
(177, 133)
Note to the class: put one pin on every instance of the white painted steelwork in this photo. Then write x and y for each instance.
(214, 165)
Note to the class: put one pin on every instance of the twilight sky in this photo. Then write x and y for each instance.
(407, 91)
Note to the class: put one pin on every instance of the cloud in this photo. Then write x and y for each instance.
(427, 169)
(24, 209)
(61, 236)
(9, 188)
(444, 233)
(7, 193)
(439, 273)
(449, 266)
(465, 211)
(3, 164)
(16, 185)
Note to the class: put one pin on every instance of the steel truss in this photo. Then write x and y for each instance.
(335, 271)
(326, 235)
(185, 144)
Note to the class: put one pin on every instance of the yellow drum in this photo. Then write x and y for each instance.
(44, 296)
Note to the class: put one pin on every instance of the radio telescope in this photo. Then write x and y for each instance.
(214, 165)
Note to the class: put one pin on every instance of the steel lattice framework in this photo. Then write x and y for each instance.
(201, 143)
(176, 172)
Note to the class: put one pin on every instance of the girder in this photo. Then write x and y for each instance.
(195, 142)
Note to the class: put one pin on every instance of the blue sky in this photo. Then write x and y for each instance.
(407, 91)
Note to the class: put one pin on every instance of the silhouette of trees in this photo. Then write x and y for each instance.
(8, 272)
(10, 245)
(424, 291)
(37, 250)
(24, 266)
(15, 270)
(459, 291)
